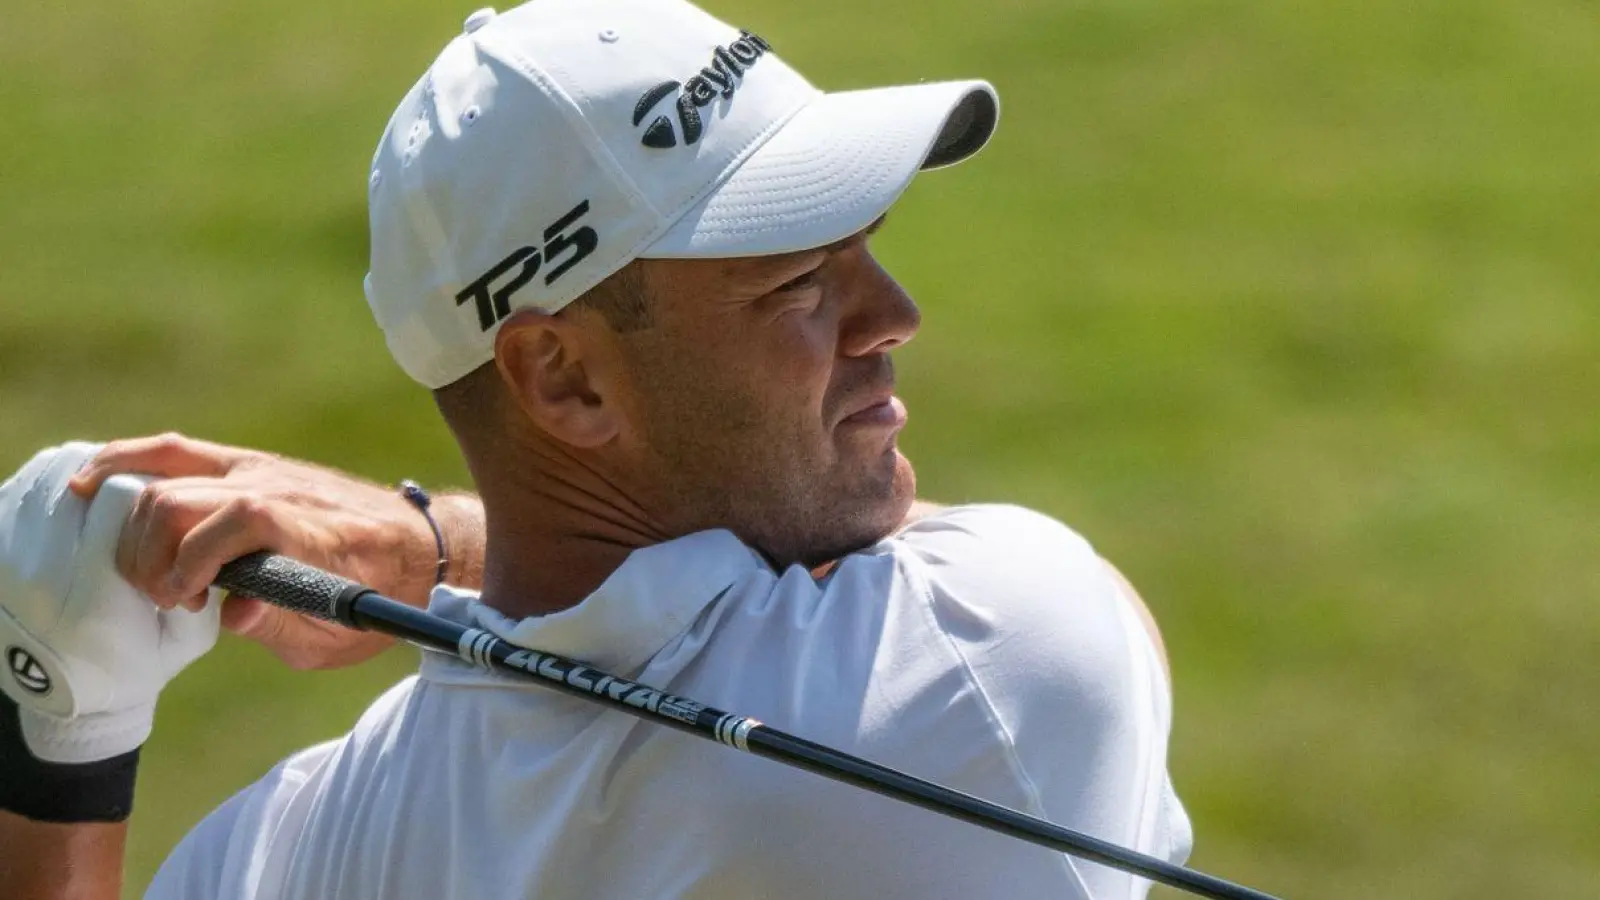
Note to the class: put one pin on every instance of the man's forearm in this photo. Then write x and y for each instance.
(45, 861)
(63, 826)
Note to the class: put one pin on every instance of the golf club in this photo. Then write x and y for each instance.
(313, 592)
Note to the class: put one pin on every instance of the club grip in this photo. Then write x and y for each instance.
(295, 586)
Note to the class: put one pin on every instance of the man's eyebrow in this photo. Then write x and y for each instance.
(861, 235)
(761, 269)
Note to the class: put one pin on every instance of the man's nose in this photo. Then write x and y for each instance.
(881, 315)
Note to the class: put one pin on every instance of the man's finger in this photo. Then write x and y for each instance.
(302, 643)
(163, 514)
(245, 616)
(133, 549)
(166, 456)
(243, 524)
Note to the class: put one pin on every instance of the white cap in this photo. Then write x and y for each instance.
(549, 146)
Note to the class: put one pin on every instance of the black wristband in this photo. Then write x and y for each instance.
(417, 496)
(63, 793)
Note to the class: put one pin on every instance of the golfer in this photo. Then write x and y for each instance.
(627, 248)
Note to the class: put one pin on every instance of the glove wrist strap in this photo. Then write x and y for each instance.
(65, 793)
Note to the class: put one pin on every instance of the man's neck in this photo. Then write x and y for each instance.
(554, 536)
(536, 574)
(554, 539)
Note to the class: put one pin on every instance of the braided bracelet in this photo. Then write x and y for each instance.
(417, 496)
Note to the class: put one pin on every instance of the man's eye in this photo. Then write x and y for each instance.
(799, 283)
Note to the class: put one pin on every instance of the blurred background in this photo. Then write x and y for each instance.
(1292, 307)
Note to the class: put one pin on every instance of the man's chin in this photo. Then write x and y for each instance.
(873, 511)
(903, 486)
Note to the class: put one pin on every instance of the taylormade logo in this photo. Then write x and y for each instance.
(723, 76)
(27, 671)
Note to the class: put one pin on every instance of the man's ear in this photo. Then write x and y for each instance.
(548, 363)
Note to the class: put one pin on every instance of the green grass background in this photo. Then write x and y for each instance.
(1292, 307)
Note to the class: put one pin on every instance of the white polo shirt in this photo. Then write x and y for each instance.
(985, 648)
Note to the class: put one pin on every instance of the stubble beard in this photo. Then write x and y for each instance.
(789, 505)
(866, 517)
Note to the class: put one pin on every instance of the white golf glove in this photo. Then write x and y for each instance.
(85, 654)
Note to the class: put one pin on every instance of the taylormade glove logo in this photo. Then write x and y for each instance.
(27, 671)
(728, 65)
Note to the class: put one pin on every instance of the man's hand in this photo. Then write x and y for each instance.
(86, 654)
(216, 503)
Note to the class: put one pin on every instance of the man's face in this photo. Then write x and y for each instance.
(761, 399)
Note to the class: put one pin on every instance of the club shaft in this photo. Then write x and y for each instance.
(310, 591)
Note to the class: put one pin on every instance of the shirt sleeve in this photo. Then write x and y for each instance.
(1071, 676)
(239, 852)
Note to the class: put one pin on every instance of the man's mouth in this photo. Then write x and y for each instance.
(886, 412)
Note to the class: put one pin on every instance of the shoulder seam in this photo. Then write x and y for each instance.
(1007, 741)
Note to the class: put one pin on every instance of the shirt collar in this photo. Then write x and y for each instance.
(654, 596)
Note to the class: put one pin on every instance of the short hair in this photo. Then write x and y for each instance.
(470, 402)
(477, 398)
(623, 299)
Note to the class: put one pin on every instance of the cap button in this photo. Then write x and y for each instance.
(478, 19)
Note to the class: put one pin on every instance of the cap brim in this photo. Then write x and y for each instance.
(833, 169)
